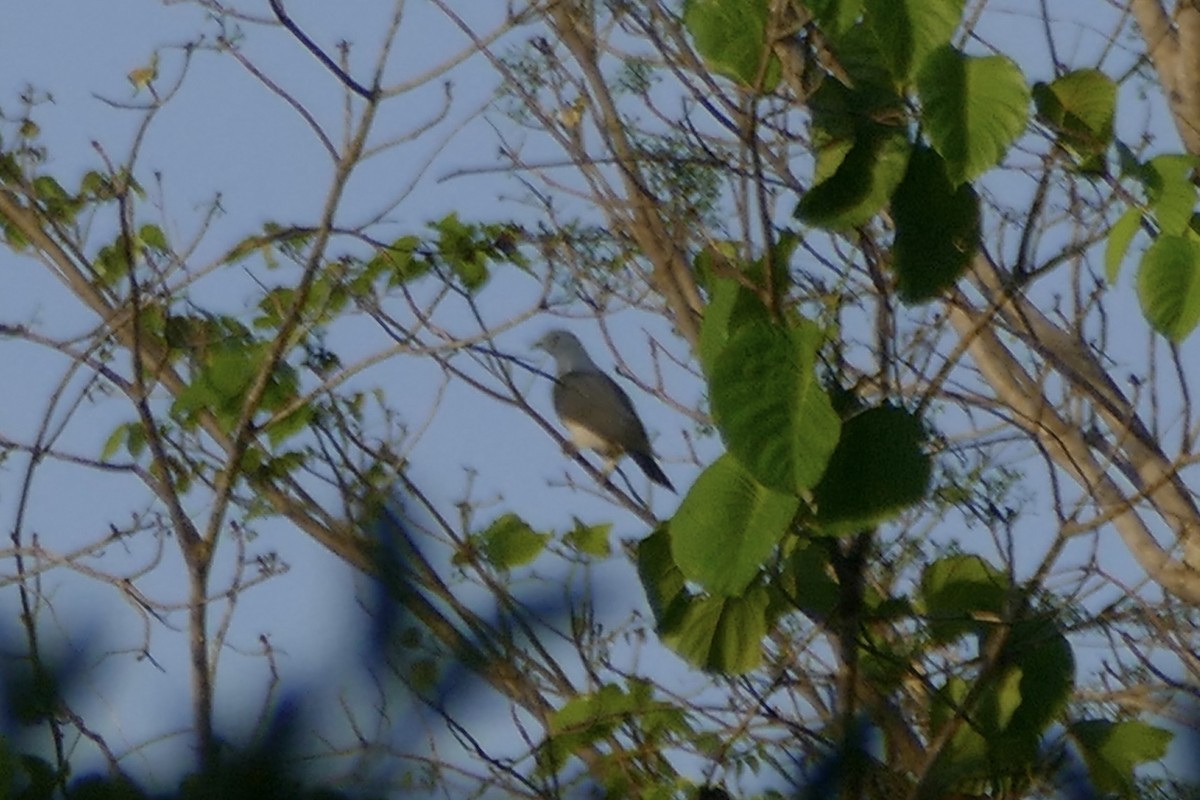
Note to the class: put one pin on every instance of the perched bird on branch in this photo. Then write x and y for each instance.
(596, 412)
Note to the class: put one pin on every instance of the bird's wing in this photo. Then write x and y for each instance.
(593, 401)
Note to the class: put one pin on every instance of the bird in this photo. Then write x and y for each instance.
(596, 412)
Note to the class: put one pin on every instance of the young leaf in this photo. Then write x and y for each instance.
(510, 542)
(1168, 286)
(590, 539)
(153, 237)
(973, 109)
(774, 415)
(937, 228)
(727, 526)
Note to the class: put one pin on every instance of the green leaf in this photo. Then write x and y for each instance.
(153, 237)
(510, 542)
(807, 583)
(1170, 191)
(114, 440)
(907, 31)
(286, 427)
(1120, 236)
(590, 539)
(130, 434)
(1024, 692)
(1168, 286)
(731, 35)
(1112, 750)
(965, 757)
(836, 16)
(1039, 649)
(661, 576)
(973, 109)
(581, 721)
(727, 526)
(1080, 107)
(937, 228)
(722, 634)
(730, 306)
(862, 183)
(957, 591)
(463, 249)
(399, 261)
(878, 469)
(774, 415)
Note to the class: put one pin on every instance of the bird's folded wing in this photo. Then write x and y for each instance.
(594, 401)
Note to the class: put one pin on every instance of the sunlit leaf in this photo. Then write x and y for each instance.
(731, 35)
(774, 415)
(511, 542)
(1168, 286)
(909, 30)
(727, 526)
(974, 108)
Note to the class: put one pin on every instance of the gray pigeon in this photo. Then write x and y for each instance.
(596, 412)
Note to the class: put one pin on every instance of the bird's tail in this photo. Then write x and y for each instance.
(649, 466)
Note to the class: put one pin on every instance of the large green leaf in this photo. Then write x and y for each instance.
(878, 469)
(1080, 107)
(956, 591)
(727, 526)
(774, 415)
(1168, 286)
(730, 306)
(862, 183)
(732, 37)
(1111, 750)
(973, 109)
(660, 575)
(722, 634)
(937, 228)
(909, 30)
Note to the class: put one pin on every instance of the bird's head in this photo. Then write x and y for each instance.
(566, 349)
(556, 341)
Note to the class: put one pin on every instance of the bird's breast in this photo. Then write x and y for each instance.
(586, 439)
